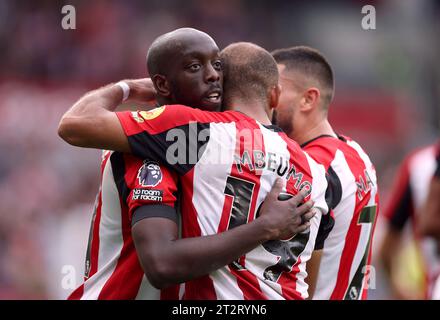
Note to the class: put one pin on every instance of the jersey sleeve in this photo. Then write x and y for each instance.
(400, 205)
(152, 190)
(168, 134)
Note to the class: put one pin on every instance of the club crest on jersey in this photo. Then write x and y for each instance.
(152, 114)
(149, 175)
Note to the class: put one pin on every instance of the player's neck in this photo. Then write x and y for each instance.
(312, 131)
(254, 109)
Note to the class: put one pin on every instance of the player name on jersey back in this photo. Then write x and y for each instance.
(237, 161)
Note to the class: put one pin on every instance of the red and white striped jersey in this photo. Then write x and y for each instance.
(228, 163)
(408, 195)
(112, 268)
(346, 252)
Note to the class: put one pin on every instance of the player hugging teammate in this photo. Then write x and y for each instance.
(246, 233)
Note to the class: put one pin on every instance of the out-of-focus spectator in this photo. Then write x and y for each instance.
(405, 208)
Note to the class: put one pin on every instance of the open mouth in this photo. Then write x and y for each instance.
(214, 97)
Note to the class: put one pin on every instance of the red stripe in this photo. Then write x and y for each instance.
(323, 150)
(171, 293)
(77, 294)
(351, 242)
(201, 288)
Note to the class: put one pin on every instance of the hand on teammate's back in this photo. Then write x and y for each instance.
(285, 218)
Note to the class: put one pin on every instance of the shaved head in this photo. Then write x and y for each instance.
(165, 48)
(250, 72)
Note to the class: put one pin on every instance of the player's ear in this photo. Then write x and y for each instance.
(310, 99)
(161, 84)
(274, 96)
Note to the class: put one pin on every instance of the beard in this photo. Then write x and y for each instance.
(284, 121)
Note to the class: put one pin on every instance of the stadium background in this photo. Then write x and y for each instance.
(387, 98)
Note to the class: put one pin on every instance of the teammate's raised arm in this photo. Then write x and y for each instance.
(91, 122)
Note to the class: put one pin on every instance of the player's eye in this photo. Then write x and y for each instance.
(194, 67)
(217, 65)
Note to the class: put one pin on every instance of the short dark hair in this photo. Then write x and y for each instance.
(311, 63)
(249, 71)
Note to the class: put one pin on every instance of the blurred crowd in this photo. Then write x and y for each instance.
(387, 98)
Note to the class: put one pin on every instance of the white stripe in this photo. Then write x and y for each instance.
(110, 236)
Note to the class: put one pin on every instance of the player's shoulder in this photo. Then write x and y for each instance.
(323, 148)
(187, 113)
(323, 142)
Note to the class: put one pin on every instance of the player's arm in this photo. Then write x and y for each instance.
(167, 260)
(312, 268)
(91, 122)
